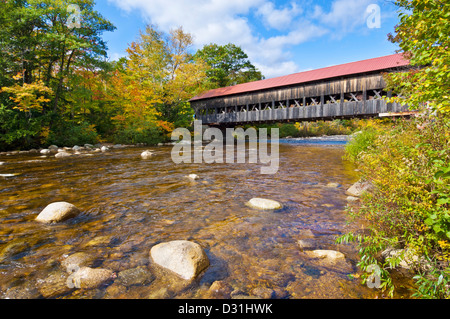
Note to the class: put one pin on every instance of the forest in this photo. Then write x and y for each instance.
(59, 87)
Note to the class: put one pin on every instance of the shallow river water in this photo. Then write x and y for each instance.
(129, 204)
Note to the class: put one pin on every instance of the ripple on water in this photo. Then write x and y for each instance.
(128, 205)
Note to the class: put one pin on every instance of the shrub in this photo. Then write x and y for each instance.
(147, 133)
(408, 164)
(70, 134)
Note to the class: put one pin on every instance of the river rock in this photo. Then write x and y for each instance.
(88, 278)
(407, 258)
(53, 148)
(45, 151)
(307, 244)
(265, 204)
(219, 290)
(193, 176)
(135, 276)
(146, 154)
(77, 260)
(359, 188)
(352, 199)
(62, 154)
(329, 255)
(185, 258)
(263, 292)
(54, 285)
(104, 149)
(88, 146)
(333, 185)
(56, 212)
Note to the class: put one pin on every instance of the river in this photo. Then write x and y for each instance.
(129, 204)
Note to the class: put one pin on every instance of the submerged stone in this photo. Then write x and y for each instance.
(88, 278)
(265, 204)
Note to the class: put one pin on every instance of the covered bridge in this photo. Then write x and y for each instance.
(342, 91)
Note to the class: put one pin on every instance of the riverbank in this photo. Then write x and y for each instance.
(406, 162)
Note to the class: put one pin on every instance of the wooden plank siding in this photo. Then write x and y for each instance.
(346, 97)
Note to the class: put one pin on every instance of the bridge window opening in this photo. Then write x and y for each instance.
(312, 101)
(329, 99)
(353, 97)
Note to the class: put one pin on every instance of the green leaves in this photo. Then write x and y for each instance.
(423, 35)
(229, 65)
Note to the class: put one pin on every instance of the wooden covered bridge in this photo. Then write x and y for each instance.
(343, 91)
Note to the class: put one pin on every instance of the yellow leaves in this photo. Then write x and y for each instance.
(29, 96)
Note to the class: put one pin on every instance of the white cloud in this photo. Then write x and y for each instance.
(279, 19)
(345, 15)
(231, 21)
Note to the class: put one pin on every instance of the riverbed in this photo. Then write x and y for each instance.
(130, 204)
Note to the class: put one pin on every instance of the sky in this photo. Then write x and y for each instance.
(280, 37)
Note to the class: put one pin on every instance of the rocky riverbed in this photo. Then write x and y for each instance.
(143, 227)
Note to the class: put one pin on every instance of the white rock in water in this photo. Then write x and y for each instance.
(9, 175)
(45, 151)
(56, 212)
(2, 163)
(62, 154)
(262, 203)
(185, 258)
(53, 148)
(331, 255)
(193, 176)
(104, 149)
(146, 154)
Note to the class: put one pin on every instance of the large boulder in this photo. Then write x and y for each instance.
(57, 212)
(264, 204)
(185, 258)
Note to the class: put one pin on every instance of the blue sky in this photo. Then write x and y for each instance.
(280, 37)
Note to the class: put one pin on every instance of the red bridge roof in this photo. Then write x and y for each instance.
(369, 65)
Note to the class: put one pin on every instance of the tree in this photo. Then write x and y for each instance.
(153, 84)
(41, 44)
(229, 65)
(423, 36)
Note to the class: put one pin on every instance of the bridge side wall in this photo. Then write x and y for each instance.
(304, 113)
(356, 96)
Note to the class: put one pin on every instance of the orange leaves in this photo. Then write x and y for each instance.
(29, 97)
